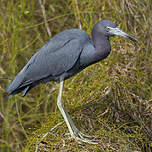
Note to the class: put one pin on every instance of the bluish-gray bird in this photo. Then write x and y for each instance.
(63, 56)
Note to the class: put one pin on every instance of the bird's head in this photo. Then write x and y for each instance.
(109, 28)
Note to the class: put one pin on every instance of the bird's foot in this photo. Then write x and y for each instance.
(87, 136)
(80, 137)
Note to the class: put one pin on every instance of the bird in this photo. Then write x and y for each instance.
(62, 57)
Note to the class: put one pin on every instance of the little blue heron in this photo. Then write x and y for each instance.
(63, 56)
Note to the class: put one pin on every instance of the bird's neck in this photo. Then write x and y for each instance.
(101, 44)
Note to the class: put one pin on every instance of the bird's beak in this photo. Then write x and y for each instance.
(117, 31)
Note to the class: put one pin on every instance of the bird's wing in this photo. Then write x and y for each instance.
(48, 61)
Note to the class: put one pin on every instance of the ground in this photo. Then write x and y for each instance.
(110, 100)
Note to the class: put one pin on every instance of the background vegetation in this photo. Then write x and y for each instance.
(111, 99)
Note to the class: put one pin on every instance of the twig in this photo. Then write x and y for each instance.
(6, 78)
(20, 121)
(102, 114)
(45, 20)
(2, 115)
(60, 123)
(2, 71)
(79, 21)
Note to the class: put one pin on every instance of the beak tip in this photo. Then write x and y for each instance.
(132, 38)
(135, 40)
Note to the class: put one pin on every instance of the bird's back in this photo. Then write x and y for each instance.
(56, 57)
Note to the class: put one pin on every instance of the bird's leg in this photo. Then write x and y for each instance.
(76, 130)
(75, 133)
(61, 108)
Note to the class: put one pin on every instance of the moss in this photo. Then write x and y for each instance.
(110, 100)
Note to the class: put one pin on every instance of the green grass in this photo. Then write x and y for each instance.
(111, 99)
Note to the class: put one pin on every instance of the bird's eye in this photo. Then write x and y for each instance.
(107, 28)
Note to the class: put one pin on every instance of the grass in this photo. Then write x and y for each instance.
(111, 99)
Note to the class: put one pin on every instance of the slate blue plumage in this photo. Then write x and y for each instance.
(65, 55)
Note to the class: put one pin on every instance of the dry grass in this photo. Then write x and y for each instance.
(111, 99)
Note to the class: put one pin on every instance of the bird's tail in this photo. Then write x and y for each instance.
(14, 87)
(25, 89)
(15, 92)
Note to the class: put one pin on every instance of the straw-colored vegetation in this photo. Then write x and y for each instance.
(111, 100)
